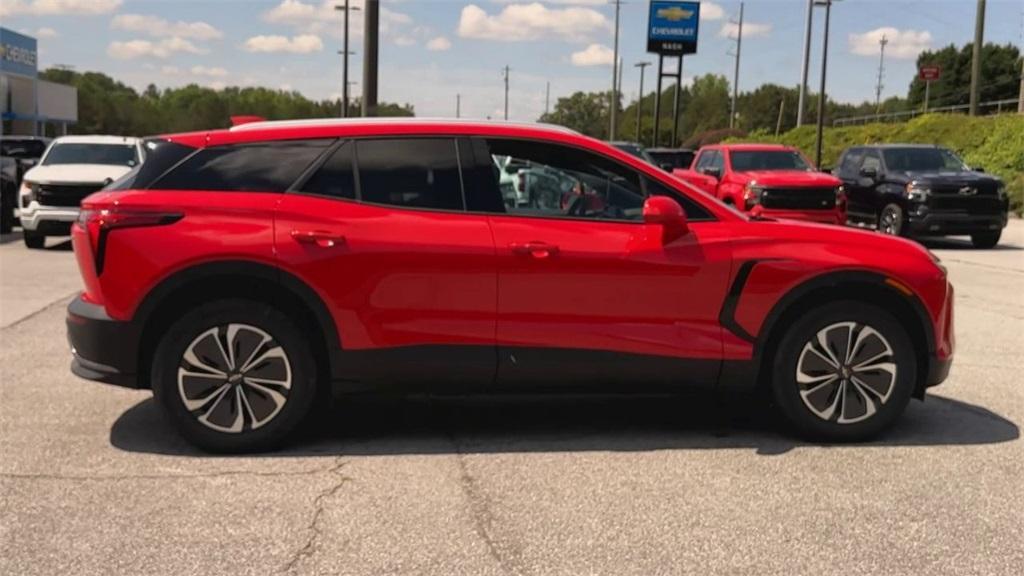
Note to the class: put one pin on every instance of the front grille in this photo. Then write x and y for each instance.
(975, 199)
(68, 195)
(799, 198)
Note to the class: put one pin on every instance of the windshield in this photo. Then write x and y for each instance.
(751, 160)
(113, 154)
(922, 160)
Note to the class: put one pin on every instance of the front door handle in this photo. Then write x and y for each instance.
(318, 237)
(538, 250)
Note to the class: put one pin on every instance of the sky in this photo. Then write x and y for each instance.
(432, 50)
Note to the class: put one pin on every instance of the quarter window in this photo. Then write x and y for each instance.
(414, 172)
(336, 177)
(258, 167)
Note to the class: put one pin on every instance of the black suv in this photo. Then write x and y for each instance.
(17, 155)
(918, 190)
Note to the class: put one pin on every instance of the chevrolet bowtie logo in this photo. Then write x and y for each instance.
(674, 14)
(968, 191)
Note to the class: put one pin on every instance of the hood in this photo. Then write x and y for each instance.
(795, 178)
(948, 178)
(76, 173)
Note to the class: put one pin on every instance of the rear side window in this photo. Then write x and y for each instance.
(258, 167)
(161, 155)
(412, 172)
(336, 178)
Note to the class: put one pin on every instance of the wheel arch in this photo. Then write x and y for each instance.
(234, 279)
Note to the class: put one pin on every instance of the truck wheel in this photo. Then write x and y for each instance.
(7, 197)
(844, 372)
(235, 376)
(34, 240)
(890, 220)
(987, 239)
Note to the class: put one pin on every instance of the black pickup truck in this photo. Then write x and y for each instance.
(916, 190)
(17, 155)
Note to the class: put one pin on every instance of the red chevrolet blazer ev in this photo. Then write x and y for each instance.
(243, 273)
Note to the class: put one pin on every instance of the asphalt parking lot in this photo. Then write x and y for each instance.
(92, 481)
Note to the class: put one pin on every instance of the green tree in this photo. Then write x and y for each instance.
(585, 112)
(1000, 75)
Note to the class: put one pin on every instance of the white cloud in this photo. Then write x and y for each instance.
(324, 19)
(213, 72)
(57, 7)
(160, 28)
(904, 44)
(216, 85)
(750, 30)
(520, 22)
(286, 87)
(593, 55)
(439, 44)
(45, 32)
(170, 70)
(711, 11)
(303, 44)
(144, 48)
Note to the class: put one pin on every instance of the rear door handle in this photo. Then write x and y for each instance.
(538, 250)
(318, 237)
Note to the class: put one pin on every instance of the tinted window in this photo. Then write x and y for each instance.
(415, 172)
(161, 155)
(750, 160)
(261, 167)
(22, 148)
(872, 160)
(851, 162)
(81, 153)
(694, 211)
(336, 176)
(551, 180)
(922, 160)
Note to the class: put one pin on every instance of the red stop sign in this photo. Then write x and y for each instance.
(930, 73)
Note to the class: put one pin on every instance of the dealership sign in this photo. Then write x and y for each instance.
(930, 73)
(18, 54)
(672, 27)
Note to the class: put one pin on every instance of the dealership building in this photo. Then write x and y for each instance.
(31, 106)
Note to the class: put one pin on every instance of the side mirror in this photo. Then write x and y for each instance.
(869, 172)
(667, 213)
(979, 169)
(715, 173)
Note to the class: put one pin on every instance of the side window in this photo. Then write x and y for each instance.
(544, 179)
(851, 163)
(872, 160)
(704, 160)
(412, 172)
(694, 211)
(259, 167)
(716, 160)
(161, 155)
(336, 176)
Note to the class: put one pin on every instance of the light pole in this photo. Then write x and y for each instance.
(505, 71)
(640, 99)
(736, 73)
(806, 65)
(615, 79)
(822, 98)
(371, 47)
(979, 38)
(345, 52)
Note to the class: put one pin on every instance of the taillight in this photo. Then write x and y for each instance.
(99, 223)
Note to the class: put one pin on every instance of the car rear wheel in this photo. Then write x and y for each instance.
(34, 240)
(987, 239)
(235, 376)
(890, 220)
(844, 372)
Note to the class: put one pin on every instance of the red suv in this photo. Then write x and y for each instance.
(244, 273)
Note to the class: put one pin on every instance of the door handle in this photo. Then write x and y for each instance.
(317, 237)
(538, 250)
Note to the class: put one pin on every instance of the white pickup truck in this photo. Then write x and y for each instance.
(72, 168)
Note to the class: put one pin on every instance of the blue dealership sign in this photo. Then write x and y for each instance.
(18, 53)
(672, 27)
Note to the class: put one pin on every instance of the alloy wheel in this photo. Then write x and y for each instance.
(890, 222)
(234, 378)
(846, 372)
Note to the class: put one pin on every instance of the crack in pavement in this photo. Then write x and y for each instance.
(309, 548)
(39, 311)
(107, 478)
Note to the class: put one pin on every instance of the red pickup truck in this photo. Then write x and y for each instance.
(767, 180)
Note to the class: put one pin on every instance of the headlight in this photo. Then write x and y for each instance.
(752, 194)
(918, 191)
(1001, 191)
(28, 192)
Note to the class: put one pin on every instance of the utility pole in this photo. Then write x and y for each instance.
(547, 99)
(822, 97)
(640, 99)
(881, 73)
(344, 59)
(782, 107)
(736, 71)
(979, 39)
(615, 75)
(505, 70)
(371, 27)
(458, 105)
(1020, 95)
(806, 64)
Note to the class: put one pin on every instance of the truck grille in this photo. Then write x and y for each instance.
(67, 195)
(978, 199)
(799, 198)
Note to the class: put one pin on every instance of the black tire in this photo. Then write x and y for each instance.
(987, 239)
(890, 220)
(829, 402)
(7, 210)
(34, 240)
(203, 332)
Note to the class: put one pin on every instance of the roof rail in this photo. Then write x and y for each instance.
(331, 122)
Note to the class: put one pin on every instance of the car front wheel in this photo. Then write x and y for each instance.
(34, 240)
(235, 376)
(844, 372)
(890, 220)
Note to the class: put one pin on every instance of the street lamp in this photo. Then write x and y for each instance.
(345, 52)
(821, 94)
(640, 99)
